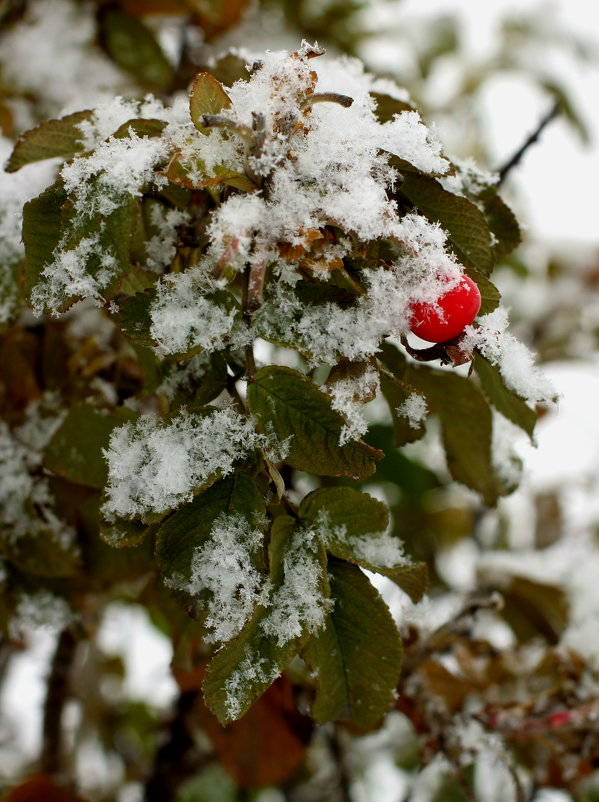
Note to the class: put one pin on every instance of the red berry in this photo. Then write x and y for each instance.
(449, 316)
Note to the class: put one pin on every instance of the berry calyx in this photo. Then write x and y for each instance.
(449, 316)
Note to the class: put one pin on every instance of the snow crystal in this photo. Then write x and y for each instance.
(185, 317)
(348, 396)
(117, 167)
(414, 408)
(161, 247)
(154, 465)
(298, 605)
(379, 549)
(253, 668)
(514, 360)
(224, 567)
(109, 115)
(66, 275)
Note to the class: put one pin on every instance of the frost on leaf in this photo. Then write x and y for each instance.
(155, 465)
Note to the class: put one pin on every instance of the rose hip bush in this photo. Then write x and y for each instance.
(209, 293)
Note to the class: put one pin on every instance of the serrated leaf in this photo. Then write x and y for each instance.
(185, 530)
(48, 140)
(466, 427)
(248, 664)
(354, 525)
(503, 399)
(357, 655)
(134, 47)
(42, 228)
(75, 450)
(207, 96)
(466, 225)
(287, 402)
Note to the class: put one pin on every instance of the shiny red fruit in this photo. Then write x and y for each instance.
(449, 316)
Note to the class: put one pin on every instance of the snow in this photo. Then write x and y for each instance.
(224, 567)
(154, 465)
(512, 357)
(184, 318)
(414, 408)
(297, 605)
(348, 397)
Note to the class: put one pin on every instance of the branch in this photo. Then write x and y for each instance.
(519, 154)
(56, 696)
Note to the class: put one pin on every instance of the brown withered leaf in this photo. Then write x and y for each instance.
(266, 745)
(41, 788)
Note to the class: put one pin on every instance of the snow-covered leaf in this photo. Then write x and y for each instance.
(354, 528)
(42, 227)
(52, 138)
(288, 403)
(503, 399)
(357, 655)
(295, 608)
(190, 526)
(408, 410)
(502, 222)
(466, 225)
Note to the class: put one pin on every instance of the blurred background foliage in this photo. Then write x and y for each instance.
(502, 656)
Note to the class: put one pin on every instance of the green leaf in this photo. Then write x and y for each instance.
(357, 655)
(185, 530)
(466, 225)
(135, 319)
(207, 96)
(503, 399)
(248, 664)
(288, 403)
(134, 47)
(42, 228)
(48, 140)
(466, 427)
(75, 450)
(490, 296)
(354, 525)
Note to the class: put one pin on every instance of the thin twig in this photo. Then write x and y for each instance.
(56, 696)
(519, 154)
(339, 760)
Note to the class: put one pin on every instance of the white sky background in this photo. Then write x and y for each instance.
(557, 182)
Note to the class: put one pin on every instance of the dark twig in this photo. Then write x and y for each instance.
(56, 696)
(340, 762)
(177, 759)
(519, 154)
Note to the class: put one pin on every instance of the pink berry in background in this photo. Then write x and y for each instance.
(449, 316)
